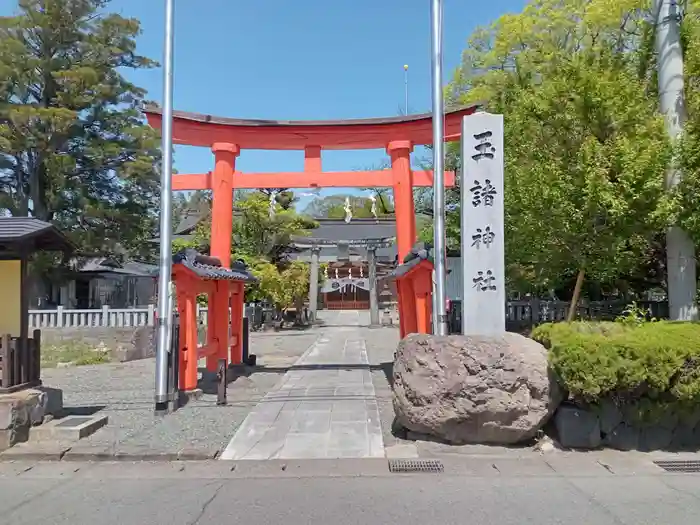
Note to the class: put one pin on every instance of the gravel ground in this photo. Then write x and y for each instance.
(124, 392)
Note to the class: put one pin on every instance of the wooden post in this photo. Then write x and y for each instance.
(221, 378)
(373, 302)
(400, 153)
(188, 336)
(6, 358)
(211, 327)
(35, 358)
(313, 282)
(181, 340)
(23, 349)
(237, 306)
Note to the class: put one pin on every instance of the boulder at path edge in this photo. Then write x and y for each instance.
(473, 389)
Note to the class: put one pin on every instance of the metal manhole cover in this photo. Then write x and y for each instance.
(688, 466)
(74, 421)
(415, 465)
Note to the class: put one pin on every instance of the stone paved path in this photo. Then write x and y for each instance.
(324, 407)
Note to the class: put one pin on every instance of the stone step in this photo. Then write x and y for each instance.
(68, 428)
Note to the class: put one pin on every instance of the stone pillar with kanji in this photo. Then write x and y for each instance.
(483, 294)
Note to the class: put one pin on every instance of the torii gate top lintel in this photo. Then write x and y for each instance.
(194, 129)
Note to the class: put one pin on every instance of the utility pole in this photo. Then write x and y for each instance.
(440, 300)
(680, 250)
(165, 303)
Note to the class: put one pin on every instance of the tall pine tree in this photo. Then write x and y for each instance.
(74, 148)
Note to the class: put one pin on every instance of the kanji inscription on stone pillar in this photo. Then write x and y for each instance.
(483, 294)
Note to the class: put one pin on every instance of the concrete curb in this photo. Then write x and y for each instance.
(66, 454)
(33, 456)
(166, 457)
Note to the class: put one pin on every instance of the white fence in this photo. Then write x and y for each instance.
(105, 317)
(100, 317)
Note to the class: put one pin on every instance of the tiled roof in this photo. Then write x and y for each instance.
(355, 230)
(107, 265)
(189, 221)
(210, 268)
(420, 252)
(32, 234)
(331, 253)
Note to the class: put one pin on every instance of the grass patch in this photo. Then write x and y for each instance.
(79, 354)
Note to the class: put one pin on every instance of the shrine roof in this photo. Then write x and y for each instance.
(30, 234)
(332, 254)
(357, 230)
(209, 268)
(196, 129)
(357, 233)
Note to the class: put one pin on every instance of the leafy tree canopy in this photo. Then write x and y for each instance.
(74, 149)
(687, 202)
(586, 148)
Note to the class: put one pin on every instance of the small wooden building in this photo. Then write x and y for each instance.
(20, 238)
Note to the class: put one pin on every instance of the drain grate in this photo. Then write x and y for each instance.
(415, 465)
(688, 466)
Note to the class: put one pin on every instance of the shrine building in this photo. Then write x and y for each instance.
(346, 251)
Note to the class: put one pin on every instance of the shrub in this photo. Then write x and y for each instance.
(659, 361)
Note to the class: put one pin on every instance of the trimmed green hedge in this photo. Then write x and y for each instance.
(657, 361)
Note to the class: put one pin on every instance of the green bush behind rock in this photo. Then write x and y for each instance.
(649, 365)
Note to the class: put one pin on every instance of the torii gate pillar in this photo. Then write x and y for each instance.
(400, 153)
(221, 227)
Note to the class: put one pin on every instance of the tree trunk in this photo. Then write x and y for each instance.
(577, 293)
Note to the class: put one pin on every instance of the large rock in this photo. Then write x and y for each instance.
(467, 389)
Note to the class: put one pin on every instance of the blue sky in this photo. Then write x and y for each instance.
(299, 59)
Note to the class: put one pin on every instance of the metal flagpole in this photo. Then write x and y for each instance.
(164, 276)
(440, 302)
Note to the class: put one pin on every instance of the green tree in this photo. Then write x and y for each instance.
(263, 242)
(74, 149)
(687, 204)
(585, 146)
(333, 207)
(257, 234)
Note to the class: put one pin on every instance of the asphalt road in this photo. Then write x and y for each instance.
(174, 494)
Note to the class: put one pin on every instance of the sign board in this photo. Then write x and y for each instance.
(347, 284)
(484, 294)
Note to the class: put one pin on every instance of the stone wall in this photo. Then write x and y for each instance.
(123, 344)
(21, 410)
(627, 427)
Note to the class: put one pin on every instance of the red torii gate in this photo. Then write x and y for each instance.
(227, 137)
